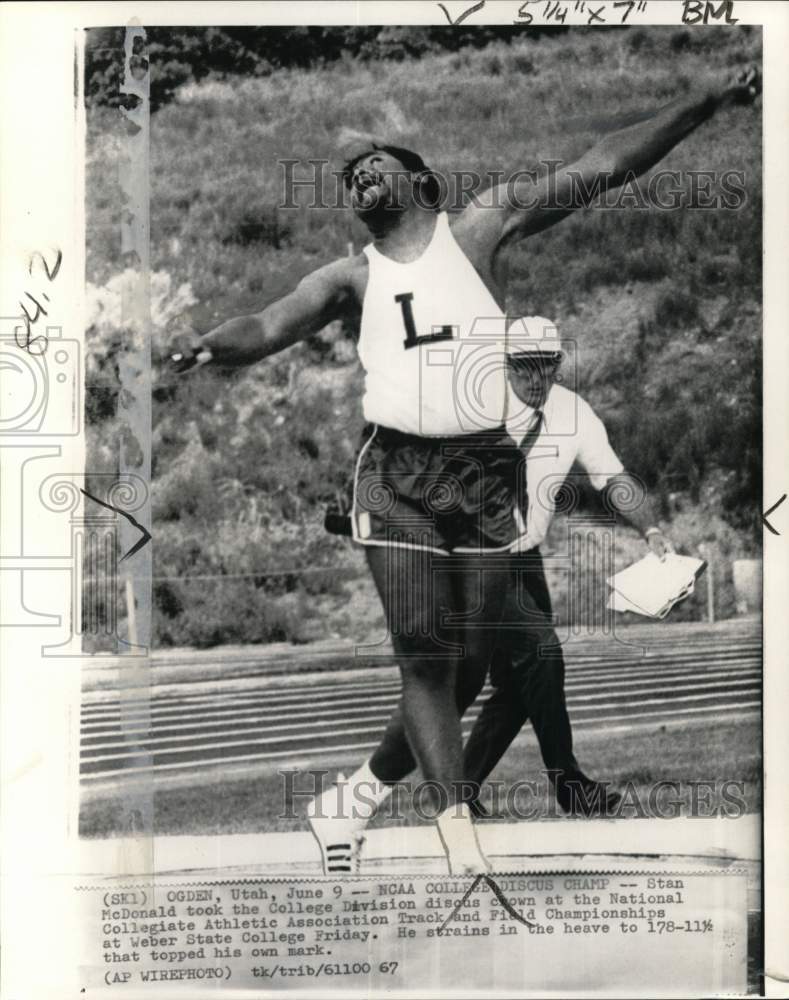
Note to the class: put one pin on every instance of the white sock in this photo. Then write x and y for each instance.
(366, 793)
(457, 828)
(459, 837)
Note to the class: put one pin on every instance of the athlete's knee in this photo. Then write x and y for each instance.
(417, 649)
(426, 672)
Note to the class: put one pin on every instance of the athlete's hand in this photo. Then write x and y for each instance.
(745, 87)
(186, 350)
(659, 543)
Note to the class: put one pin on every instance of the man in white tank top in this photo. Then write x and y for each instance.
(434, 405)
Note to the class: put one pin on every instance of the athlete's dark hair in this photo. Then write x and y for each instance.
(413, 163)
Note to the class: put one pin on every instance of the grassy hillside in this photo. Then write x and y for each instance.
(664, 305)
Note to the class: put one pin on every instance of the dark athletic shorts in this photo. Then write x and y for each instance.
(443, 494)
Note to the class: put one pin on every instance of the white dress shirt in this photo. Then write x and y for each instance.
(570, 431)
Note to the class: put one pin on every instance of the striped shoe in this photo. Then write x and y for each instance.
(340, 837)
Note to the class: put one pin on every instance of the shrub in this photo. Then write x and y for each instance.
(675, 308)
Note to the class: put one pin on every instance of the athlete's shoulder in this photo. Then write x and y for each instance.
(343, 275)
(345, 268)
(463, 228)
(480, 250)
(472, 238)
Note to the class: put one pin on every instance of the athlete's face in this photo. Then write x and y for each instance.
(531, 378)
(380, 185)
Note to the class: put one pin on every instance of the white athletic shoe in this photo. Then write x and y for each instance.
(459, 838)
(340, 837)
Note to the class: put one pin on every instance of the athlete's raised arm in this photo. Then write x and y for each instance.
(531, 204)
(318, 298)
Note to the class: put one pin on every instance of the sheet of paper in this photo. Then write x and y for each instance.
(652, 585)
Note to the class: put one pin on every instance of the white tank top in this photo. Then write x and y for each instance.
(432, 342)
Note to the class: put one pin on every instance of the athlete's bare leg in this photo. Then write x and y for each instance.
(416, 599)
(442, 613)
(437, 686)
(393, 759)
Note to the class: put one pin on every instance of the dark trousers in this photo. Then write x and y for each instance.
(527, 673)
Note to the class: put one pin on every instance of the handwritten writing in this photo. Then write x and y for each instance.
(694, 11)
(466, 13)
(31, 305)
(590, 12)
(587, 11)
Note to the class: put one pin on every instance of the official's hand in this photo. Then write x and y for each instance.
(746, 86)
(187, 350)
(659, 544)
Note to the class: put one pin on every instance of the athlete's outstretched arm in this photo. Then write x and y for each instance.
(535, 203)
(317, 299)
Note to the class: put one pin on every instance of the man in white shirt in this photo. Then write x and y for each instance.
(555, 429)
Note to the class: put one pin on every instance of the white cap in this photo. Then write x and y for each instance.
(533, 335)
